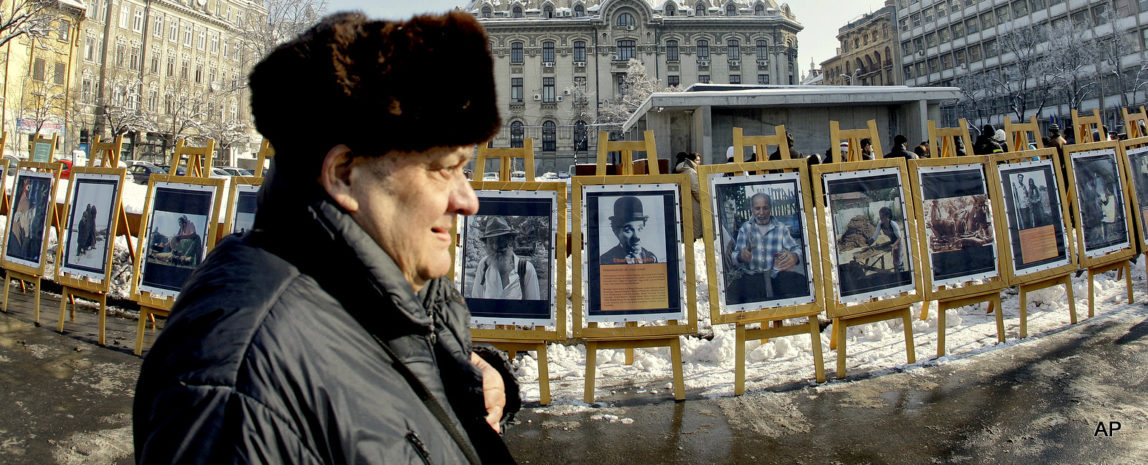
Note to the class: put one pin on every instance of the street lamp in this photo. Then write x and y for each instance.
(853, 77)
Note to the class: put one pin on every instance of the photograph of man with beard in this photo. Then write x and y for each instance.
(628, 223)
(501, 273)
(768, 252)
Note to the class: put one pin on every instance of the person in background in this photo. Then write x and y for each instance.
(329, 333)
(983, 145)
(899, 151)
(866, 149)
(793, 153)
(688, 163)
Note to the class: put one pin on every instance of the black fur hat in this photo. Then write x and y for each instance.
(375, 86)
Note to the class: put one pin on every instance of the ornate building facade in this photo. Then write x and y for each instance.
(558, 63)
(868, 55)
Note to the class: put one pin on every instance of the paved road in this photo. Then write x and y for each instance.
(67, 400)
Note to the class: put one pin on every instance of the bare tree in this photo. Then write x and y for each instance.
(1024, 79)
(26, 17)
(285, 19)
(41, 102)
(186, 109)
(122, 111)
(1068, 57)
(637, 86)
(977, 95)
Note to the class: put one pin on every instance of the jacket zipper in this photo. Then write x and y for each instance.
(419, 446)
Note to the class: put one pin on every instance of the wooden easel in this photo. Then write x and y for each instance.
(631, 336)
(762, 316)
(844, 314)
(266, 152)
(43, 149)
(105, 161)
(1135, 124)
(1018, 133)
(1118, 260)
(22, 272)
(946, 138)
(511, 338)
(854, 136)
(1031, 282)
(970, 292)
(1082, 127)
(198, 168)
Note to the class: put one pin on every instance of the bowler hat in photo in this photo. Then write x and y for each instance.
(627, 209)
(496, 226)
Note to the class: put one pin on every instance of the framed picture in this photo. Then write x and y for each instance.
(508, 258)
(1032, 205)
(761, 241)
(1138, 178)
(242, 202)
(177, 230)
(956, 216)
(1098, 190)
(869, 242)
(89, 236)
(633, 257)
(33, 195)
(5, 165)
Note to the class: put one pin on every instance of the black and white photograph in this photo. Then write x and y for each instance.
(176, 239)
(1033, 211)
(633, 261)
(89, 223)
(31, 200)
(1138, 164)
(1101, 194)
(870, 238)
(508, 258)
(762, 241)
(958, 221)
(246, 200)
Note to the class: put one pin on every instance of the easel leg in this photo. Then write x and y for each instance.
(63, 310)
(818, 358)
(940, 330)
(739, 360)
(1091, 294)
(1071, 299)
(36, 303)
(1024, 311)
(591, 365)
(925, 310)
(833, 336)
(995, 307)
(676, 359)
(7, 287)
(1128, 278)
(630, 350)
(140, 330)
(72, 300)
(543, 375)
(910, 351)
(839, 333)
(103, 317)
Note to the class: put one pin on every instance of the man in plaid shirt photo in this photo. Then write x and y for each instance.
(766, 251)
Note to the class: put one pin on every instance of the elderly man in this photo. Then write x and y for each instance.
(327, 333)
(501, 273)
(628, 222)
(767, 251)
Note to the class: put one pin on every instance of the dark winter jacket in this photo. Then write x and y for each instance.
(270, 354)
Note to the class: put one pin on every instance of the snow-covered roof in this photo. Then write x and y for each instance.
(74, 4)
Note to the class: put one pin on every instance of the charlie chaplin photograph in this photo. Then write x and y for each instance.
(631, 244)
(867, 211)
(958, 223)
(1033, 211)
(1100, 191)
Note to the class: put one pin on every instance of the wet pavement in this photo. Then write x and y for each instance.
(68, 400)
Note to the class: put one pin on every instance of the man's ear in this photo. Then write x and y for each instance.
(335, 177)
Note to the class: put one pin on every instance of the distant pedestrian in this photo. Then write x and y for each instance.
(983, 145)
(793, 153)
(899, 151)
(688, 163)
(866, 149)
(999, 142)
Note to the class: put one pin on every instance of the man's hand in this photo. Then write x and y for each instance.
(745, 256)
(493, 391)
(784, 261)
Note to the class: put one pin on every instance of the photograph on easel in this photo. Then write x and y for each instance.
(508, 258)
(762, 241)
(176, 235)
(870, 245)
(1101, 195)
(89, 223)
(1138, 164)
(958, 221)
(1032, 209)
(246, 201)
(29, 217)
(634, 264)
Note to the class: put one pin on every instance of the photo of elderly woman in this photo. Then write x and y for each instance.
(1100, 191)
(176, 238)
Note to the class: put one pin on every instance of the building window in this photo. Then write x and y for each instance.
(214, 43)
(486, 12)
(548, 52)
(625, 50)
(763, 79)
(620, 84)
(173, 30)
(759, 10)
(703, 49)
(134, 59)
(671, 50)
(157, 27)
(86, 90)
(154, 63)
(549, 141)
(516, 12)
(152, 100)
(704, 78)
(125, 15)
(730, 9)
(516, 52)
(625, 19)
(516, 134)
(735, 79)
(137, 20)
(1019, 8)
(733, 50)
(187, 35)
(58, 74)
(65, 29)
(1002, 15)
(198, 73)
(548, 12)
(674, 81)
(201, 43)
(547, 90)
(185, 69)
(579, 11)
(170, 66)
(89, 48)
(121, 52)
(762, 49)
(670, 9)
(581, 141)
(515, 90)
(700, 9)
(580, 51)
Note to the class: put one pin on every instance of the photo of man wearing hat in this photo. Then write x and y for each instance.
(502, 274)
(628, 223)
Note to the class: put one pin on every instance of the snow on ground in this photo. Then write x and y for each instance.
(875, 349)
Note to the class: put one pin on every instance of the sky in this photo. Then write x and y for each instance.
(818, 41)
